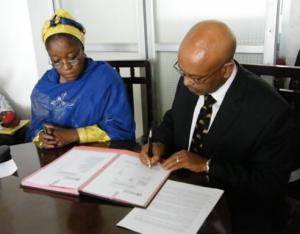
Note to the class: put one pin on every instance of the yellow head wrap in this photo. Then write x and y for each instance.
(62, 22)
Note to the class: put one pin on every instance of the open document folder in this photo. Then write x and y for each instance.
(178, 208)
(111, 174)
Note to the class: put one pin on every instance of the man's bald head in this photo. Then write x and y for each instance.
(208, 42)
(205, 56)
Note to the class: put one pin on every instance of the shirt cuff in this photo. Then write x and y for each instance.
(92, 134)
(207, 165)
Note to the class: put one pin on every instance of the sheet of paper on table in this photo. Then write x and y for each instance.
(177, 208)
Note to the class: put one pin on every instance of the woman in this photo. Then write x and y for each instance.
(78, 100)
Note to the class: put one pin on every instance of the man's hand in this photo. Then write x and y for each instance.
(157, 149)
(187, 160)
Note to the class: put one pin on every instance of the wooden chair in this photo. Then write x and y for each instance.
(137, 72)
(295, 84)
(284, 80)
(281, 74)
(292, 95)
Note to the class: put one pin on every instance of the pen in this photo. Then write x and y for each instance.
(150, 147)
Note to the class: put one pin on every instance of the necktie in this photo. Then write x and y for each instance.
(202, 124)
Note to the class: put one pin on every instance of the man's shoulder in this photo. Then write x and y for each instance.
(259, 91)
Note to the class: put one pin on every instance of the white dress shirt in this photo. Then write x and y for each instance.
(218, 95)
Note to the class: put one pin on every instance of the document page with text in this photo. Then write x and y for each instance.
(127, 180)
(70, 171)
(178, 208)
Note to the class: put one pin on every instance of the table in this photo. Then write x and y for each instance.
(32, 211)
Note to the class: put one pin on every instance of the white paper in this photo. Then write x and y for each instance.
(7, 168)
(73, 169)
(177, 208)
(128, 180)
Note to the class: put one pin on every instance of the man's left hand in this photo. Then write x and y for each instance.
(187, 160)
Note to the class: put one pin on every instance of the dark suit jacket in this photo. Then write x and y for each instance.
(248, 143)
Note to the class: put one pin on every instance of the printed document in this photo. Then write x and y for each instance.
(127, 179)
(178, 208)
(71, 170)
(112, 174)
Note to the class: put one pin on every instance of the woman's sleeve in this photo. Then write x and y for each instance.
(117, 121)
(92, 134)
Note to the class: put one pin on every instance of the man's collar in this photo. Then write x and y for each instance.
(220, 93)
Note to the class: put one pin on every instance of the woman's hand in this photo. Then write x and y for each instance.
(57, 136)
(46, 139)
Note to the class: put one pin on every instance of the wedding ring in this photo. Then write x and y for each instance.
(177, 160)
(41, 144)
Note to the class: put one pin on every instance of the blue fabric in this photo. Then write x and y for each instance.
(97, 97)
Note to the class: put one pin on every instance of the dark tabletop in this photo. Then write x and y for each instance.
(33, 211)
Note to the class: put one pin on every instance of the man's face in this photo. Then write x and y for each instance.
(202, 79)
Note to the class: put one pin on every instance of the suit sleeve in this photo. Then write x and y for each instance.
(165, 132)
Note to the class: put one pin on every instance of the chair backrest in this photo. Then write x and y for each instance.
(137, 72)
(281, 74)
(291, 94)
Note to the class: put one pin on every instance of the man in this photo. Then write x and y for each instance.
(241, 140)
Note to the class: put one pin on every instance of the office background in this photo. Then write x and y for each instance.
(141, 29)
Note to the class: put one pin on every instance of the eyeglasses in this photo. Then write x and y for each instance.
(72, 62)
(197, 79)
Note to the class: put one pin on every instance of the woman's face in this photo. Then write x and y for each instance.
(67, 57)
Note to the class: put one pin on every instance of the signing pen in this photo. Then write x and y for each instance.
(150, 148)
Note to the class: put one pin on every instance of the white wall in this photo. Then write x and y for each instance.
(247, 20)
(22, 58)
(290, 31)
(112, 33)
(39, 11)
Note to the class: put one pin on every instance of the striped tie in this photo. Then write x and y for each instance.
(202, 124)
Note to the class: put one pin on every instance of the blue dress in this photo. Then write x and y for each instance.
(98, 96)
